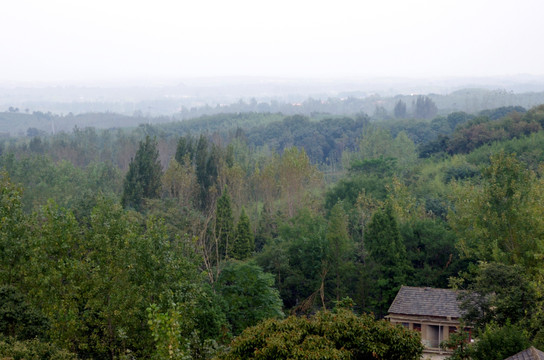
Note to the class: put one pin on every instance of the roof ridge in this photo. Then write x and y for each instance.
(427, 287)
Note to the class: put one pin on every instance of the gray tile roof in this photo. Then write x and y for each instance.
(426, 301)
(531, 353)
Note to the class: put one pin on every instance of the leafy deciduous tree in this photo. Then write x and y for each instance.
(340, 335)
(248, 294)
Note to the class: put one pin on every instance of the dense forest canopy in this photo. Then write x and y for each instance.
(192, 239)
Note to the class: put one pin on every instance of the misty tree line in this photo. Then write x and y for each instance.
(17, 121)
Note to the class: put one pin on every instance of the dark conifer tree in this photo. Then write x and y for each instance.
(224, 224)
(206, 169)
(400, 109)
(243, 245)
(425, 108)
(185, 147)
(143, 179)
(338, 244)
(388, 263)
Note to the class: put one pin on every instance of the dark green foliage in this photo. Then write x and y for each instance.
(13, 231)
(457, 118)
(207, 158)
(143, 179)
(324, 141)
(498, 113)
(185, 147)
(536, 114)
(460, 346)
(400, 109)
(382, 167)
(529, 149)
(212, 165)
(266, 230)
(340, 248)
(224, 225)
(36, 145)
(499, 343)
(471, 133)
(297, 257)
(340, 335)
(348, 189)
(499, 294)
(435, 147)
(388, 267)
(201, 159)
(484, 130)
(430, 249)
(243, 244)
(221, 122)
(17, 318)
(383, 240)
(371, 176)
(187, 322)
(460, 172)
(424, 108)
(248, 295)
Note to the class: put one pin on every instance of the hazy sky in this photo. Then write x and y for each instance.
(98, 40)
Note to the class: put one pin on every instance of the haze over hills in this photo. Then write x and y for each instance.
(168, 97)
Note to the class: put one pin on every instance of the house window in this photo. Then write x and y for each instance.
(453, 329)
(417, 327)
(406, 325)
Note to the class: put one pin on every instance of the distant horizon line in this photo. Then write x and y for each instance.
(162, 81)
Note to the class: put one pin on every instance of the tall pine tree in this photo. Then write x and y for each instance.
(143, 179)
(339, 247)
(388, 264)
(244, 244)
(224, 224)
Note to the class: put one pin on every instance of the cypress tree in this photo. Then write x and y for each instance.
(243, 244)
(185, 147)
(338, 243)
(207, 160)
(388, 265)
(224, 224)
(143, 179)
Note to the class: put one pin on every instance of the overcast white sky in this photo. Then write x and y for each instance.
(101, 40)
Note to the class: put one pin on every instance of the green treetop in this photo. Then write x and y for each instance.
(243, 244)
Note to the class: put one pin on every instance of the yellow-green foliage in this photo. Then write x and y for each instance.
(341, 335)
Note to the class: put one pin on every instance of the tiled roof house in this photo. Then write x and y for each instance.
(531, 353)
(433, 312)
